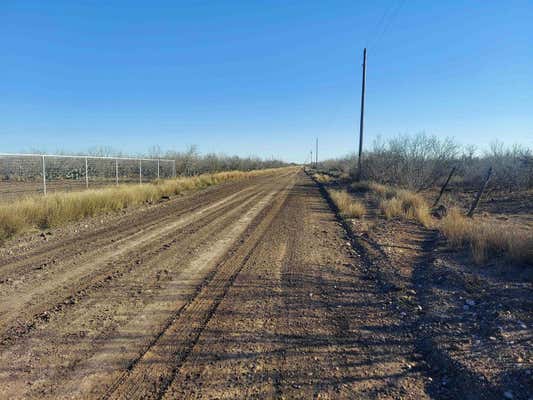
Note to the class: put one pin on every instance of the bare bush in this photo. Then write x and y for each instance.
(415, 162)
(512, 167)
(191, 162)
(420, 162)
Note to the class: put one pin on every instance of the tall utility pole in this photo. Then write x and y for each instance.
(316, 154)
(361, 121)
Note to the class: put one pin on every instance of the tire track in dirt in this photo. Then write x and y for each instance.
(122, 227)
(199, 263)
(300, 321)
(122, 314)
(37, 301)
(19, 258)
(104, 239)
(155, 370)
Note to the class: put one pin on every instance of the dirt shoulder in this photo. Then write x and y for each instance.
(471, 324)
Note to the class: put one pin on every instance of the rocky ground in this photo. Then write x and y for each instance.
(256, 289)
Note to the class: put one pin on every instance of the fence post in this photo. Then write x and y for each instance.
(444, 187)
(86, 173)
(174, 169)
(158, 168)
(116, 171)
(44, 175)
(140, 172)
(479, 193)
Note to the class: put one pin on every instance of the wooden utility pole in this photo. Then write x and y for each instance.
(361, 121)
(316, 154)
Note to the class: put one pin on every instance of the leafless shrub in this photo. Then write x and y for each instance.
(415, 162)
(191, 162)
(420, 162)
(512, 167)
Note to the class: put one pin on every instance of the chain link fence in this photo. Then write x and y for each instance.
(25, 174)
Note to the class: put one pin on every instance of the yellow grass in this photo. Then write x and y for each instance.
(347, 206)
(382, 191)
(484, 238)
(59, 208)
(401, 203)
(391, 208)
(322, 178)
(487, 238)
(414, 207)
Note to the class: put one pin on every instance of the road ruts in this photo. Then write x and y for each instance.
(258, 296)
(300, 321)
(94, 301)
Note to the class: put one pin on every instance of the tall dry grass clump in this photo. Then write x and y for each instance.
(347, 206)
(322, 178)
(401, 203)
(487, 239)
(391, 208)
(59, 208)
(414, 207)
(382, 191)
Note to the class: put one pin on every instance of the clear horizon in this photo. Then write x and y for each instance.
(264, 80)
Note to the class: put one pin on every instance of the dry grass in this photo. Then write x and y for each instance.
(487, 238)
(484, 238)
(415, 207)
(322, 178)
(391, 208)
(382, 191)
(60, 208)
(348, 207)
(401, 203)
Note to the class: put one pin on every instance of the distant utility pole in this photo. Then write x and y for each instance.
(361, 121)
(316, 154)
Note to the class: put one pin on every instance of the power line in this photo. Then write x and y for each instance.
(385, 22)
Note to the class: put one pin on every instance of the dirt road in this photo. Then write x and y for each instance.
(245, 290)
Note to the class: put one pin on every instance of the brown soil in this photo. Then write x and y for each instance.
(471, 324)
(250, 289)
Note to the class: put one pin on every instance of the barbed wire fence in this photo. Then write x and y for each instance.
(25, 174)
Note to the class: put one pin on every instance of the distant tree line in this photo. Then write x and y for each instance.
(192, 162)
(422, 161)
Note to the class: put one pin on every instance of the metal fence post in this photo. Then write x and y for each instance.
(44, 175)
(116, 172)
(174, 169)
(86, 173)
(140, 172)
(158, 168)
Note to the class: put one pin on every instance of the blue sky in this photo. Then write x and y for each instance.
(261, 77)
